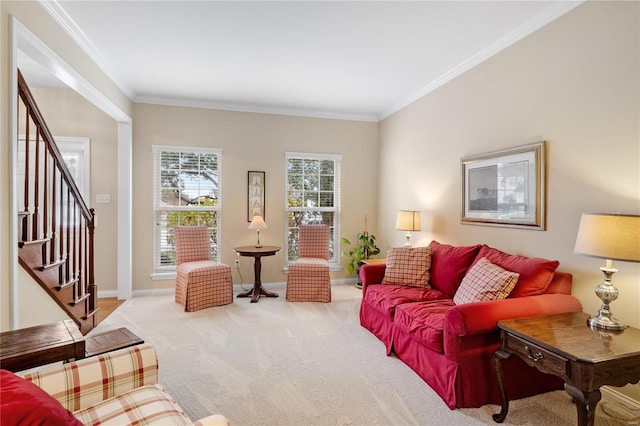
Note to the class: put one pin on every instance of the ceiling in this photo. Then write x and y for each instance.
(352, 60)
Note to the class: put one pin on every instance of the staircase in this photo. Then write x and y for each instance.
(56, 228)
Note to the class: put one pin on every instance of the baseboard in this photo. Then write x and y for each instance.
(168, 291)
(615, 395)
(107, 293)
(154, 292)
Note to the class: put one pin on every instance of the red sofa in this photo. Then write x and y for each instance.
(451, 346)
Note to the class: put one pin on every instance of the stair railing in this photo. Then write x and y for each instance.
(53, 216)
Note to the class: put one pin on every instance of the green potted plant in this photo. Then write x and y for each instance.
(364, 248)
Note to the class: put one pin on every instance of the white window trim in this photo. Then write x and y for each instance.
(169, 272)
(334, 263)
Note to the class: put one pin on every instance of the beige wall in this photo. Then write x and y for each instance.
(68, 114)
(36, 20)
(250, 142)
(574, 83)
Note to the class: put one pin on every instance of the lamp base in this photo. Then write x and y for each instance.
(407, 236)
(607, 293)
(258, 245)
(605, 323)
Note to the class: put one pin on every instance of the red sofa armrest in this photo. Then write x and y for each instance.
(371, 274)
(482, 317)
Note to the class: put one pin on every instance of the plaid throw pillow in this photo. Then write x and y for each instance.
(408, 266)
(485, 281)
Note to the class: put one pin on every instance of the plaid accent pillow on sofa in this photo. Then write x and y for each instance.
(408, 266)
(485, 281)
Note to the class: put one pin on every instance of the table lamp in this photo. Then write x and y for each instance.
(610, 237)
(408, 220)
(257, 223)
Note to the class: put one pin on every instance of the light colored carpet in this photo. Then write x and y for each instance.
(280, 363)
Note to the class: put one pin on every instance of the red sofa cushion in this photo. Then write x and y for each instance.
(424, 321)
(449, 264)
(535, 273)
(385, 298)
(22, 402)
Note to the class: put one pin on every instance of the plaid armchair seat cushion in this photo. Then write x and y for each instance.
(203, 284)
(309, 281)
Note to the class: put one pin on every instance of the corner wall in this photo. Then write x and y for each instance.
(250, 141)
(575, 84)
(36, 20)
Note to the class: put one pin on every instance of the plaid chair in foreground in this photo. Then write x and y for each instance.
(200, 282)
(308, 279)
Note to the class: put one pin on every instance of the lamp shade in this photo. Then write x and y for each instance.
(609, 236)
(257, 223)
(408, 220)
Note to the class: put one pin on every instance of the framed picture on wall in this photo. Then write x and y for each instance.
(505, 188)
(255, 184)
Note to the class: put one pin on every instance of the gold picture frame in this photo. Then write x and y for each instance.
(255, 194)
(505, 188)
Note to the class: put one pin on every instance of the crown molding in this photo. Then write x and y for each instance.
(513, 36)
(57, 12)
(257, 109)
(70, 27)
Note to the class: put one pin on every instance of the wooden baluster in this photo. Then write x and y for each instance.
(25, 219)
(45, 205)
(69, 224)
(54, 213)
(61, 229)
(81, 255)
(93, 292)
(35, 229)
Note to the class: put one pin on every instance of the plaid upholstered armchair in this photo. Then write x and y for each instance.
(309, 279)
(200, 282)
(116, 388)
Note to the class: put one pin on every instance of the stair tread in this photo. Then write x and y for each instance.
(67, 284)
(79, 299)
(33, 242)
(53, 265)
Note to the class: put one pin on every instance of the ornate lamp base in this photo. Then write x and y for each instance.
(607, 293)
(407, 236)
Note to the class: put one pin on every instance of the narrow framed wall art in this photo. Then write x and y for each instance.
(255, 203)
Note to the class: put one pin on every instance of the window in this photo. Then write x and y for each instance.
(186, 192)
(76, 153)
(313, 197)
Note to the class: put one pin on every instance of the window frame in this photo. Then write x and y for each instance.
(334, 261)
(161, 271)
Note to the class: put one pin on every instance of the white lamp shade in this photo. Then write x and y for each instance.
(408, 220)
(257, 223)
(609, 236)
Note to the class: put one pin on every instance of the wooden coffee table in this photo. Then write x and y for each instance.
(565, 346)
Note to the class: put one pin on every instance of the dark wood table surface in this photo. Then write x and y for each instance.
(257, 253)
(40, 345)
(111, 340)
(564, 345)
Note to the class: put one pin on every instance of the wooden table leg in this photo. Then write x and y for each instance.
(585, 404)
(257, 289)
(498, 357)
